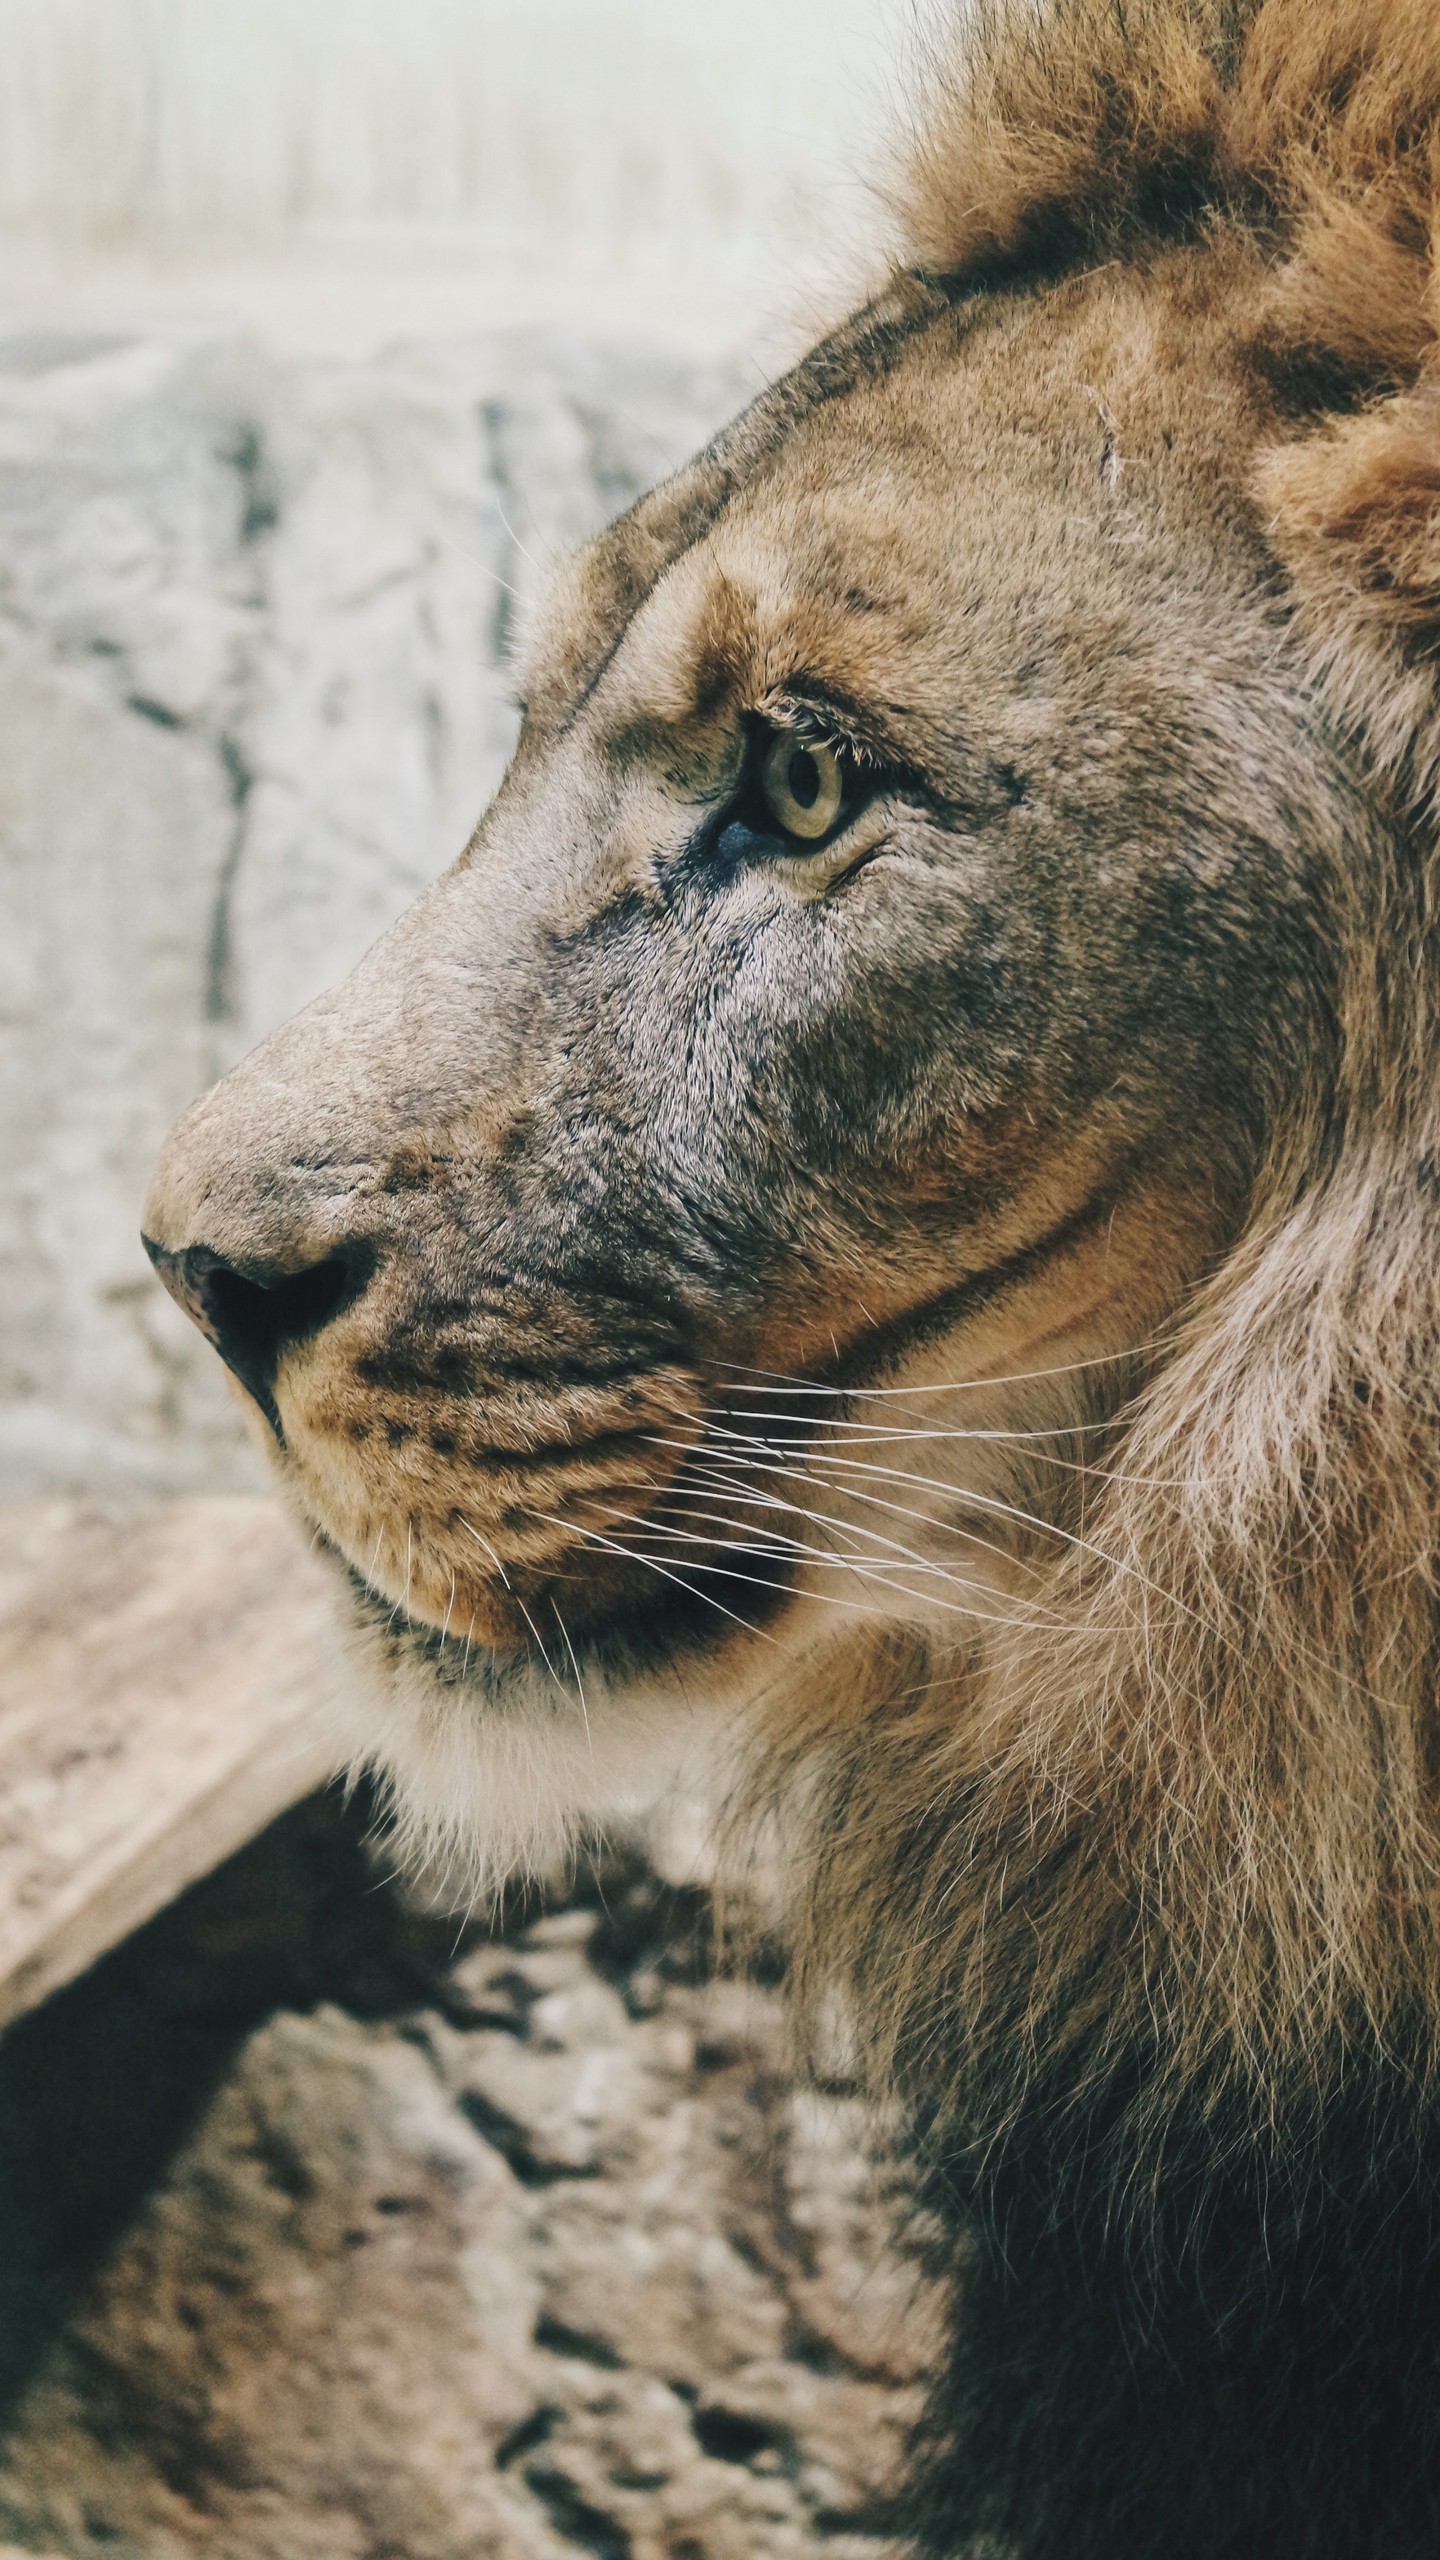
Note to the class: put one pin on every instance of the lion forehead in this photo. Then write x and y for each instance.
(1017, 471)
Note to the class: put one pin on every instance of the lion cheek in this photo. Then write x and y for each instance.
(428, 1520)
(385, 1501)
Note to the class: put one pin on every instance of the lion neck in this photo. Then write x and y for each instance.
(1169, 1822)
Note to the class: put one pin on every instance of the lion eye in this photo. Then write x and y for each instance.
(803, 785)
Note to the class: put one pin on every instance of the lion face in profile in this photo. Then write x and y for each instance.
(891, 1201)
(872, 980)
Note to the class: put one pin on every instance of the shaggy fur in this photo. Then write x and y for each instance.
(959, 1302)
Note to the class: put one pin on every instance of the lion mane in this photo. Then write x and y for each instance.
(1135, 1880)
(1149, 1929)
(1230, 1677)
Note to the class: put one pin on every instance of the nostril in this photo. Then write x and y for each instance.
(262, 1317)
(253, 1314)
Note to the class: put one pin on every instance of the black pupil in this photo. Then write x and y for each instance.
(804, 778)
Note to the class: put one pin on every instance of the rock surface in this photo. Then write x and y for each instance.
(165, 1670)
(255, 629)
(380, 2255)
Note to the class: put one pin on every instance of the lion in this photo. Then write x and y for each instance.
(885, 1217)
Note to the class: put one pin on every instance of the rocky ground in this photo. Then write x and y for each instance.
(326, 2237)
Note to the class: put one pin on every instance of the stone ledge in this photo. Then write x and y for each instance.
(163, 1672)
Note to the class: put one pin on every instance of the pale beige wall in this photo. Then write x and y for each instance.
(125, 114)
(324, 168)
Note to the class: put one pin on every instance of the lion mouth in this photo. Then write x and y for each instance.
(689, 1519)
(649, 1544)
(651, 1628)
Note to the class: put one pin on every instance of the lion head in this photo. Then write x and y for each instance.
(888, 1203)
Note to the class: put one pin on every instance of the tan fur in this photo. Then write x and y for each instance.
(1071, 132)
(1006, 1237)
(1245, 1688)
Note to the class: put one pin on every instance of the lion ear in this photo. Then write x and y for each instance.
(1352, 499)
(1336, 115)
(1354, 511)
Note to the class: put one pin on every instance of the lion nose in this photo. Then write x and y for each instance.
(253, 1312)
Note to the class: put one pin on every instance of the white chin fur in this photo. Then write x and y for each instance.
(487, 1788)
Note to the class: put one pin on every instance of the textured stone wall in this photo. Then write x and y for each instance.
(254, 625)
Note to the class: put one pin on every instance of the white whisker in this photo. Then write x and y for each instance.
(862, 1435)
(857, 1529)
(864, 1567)
(739, 1458)
(404, 1600)
(757, 1581)
(484, 565)
(573, 1528)
(537, 565)
(575, 1667)
(990, 1502)
(472, 1532)
(984, 1501)
(539, 1639)
(785, 1383)
(867, 1434)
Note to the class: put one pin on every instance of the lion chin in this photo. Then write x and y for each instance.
(501, 1770)
(877, 1238)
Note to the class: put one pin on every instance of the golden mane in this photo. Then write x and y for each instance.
(1054, 130)
(1091, 122)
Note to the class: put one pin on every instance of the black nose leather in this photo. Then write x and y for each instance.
(252, 1313)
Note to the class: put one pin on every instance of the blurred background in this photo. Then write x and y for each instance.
(324, 326)
(335, 169)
